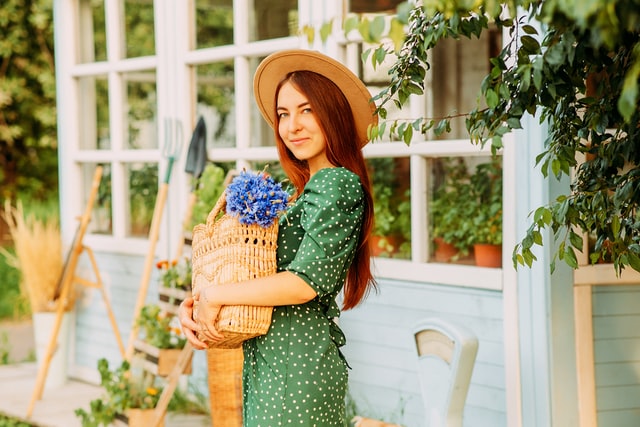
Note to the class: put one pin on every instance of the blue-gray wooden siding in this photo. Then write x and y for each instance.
(616, 320)
(381, 350)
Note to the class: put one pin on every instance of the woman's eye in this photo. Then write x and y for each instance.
(282, 115)
(307, 110)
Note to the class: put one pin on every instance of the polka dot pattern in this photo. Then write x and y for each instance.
(295, 375)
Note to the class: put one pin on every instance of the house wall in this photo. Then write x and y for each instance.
(381, 351)
(616, 316)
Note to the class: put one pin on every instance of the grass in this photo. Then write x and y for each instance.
(13, 306)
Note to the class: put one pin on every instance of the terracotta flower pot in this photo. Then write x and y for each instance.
(444, 251)
(488, 255)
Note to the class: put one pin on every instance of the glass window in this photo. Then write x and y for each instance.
(214, 23)
(139, 28)
(141, 117)
(143, 184)
(368, 6)
(274, 19)
(101, 214)
(216, 102)
(93, 37)
(457, 70)
(465, 207)
(94, 108)
(390, 179)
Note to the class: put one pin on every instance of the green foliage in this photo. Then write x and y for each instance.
(175, 274)
(13, 305)
(208, 192)
(123, 391)
(159, 329)
(450, 203)
(28, 155)
(580, 75)
(7, 421)
(391, 204)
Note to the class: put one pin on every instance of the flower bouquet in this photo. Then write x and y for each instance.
(237, 243)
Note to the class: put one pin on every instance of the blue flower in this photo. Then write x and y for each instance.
(255, 198)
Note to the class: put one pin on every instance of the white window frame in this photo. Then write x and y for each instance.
(173, 64)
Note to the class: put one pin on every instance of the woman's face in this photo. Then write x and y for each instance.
(299, 129)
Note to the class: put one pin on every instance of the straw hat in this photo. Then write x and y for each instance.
(275, 66)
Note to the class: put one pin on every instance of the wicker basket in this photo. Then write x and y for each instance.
(226, 251)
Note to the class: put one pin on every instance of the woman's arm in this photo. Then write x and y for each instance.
(284, 288)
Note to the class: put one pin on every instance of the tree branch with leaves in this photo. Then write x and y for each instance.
(573, 65)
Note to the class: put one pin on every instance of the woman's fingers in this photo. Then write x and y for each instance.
(189, 326)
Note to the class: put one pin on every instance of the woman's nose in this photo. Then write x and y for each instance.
(294, 123)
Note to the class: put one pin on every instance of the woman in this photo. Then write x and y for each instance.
(296, 374)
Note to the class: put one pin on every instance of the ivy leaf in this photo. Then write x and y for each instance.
(325, 30)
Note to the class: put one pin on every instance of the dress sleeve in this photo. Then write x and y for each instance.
(331, 218)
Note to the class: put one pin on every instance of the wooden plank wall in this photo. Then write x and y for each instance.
(616, 320)
(381, 351)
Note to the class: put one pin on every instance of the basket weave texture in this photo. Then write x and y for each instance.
(225, 251)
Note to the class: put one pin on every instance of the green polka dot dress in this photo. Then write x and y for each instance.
(295, 375)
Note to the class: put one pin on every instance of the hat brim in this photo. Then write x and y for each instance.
(277, 65)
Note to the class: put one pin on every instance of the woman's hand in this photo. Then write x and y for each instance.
(208, 312)
(189, 326)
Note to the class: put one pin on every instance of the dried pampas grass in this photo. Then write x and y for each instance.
(38, 256)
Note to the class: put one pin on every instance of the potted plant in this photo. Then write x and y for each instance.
(128, 397)
(447, 208)
(391, 235)
(483, 220)
(174, 282)
(161, 341)
(39, 260)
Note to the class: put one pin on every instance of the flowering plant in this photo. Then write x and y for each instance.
(174, 274)
(123, 391)
(256, 198)
(159, 329)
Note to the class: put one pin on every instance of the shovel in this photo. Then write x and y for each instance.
(170, 150)
(194, 165)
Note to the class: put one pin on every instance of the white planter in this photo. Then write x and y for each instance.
(42, 329)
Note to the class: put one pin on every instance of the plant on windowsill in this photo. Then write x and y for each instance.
(482, 223)
(391, 236)
(449, 204)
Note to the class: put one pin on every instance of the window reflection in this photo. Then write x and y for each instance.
(142, 189)
(93, 37)
(141, 130)
(139, 28)
(214, 23)
(216, 102)
(274, 19)
(94, 110)
(101, 214)
(391, 235)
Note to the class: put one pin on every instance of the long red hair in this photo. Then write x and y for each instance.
(333, 113)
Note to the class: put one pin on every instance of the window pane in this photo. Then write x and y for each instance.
(143, 187)
(216, 102)
(139, 28)
(274, 19)
(101, 215)
(94, 109)
(465, 206)
(92, 38)
(261, 133)
(458, 68)
(392, 206)
(214, 23)
(141, 131)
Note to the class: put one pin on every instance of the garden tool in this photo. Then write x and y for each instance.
(170, 150)
(194, 165)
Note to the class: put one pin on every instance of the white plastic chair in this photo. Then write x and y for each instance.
(446, 356)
